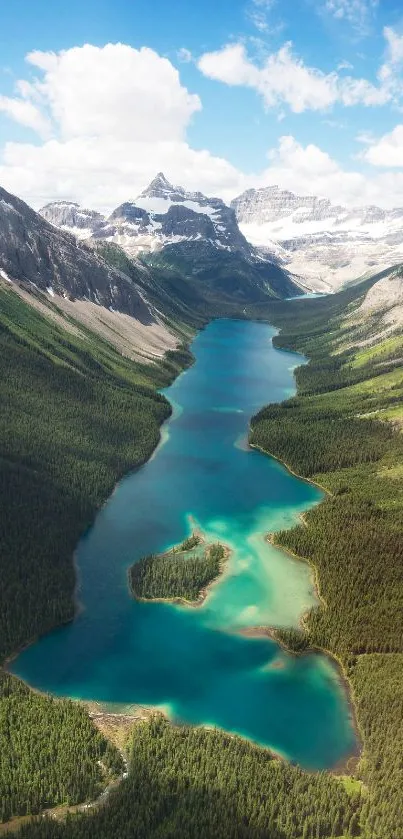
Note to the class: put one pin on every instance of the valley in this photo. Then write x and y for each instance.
(101, 380)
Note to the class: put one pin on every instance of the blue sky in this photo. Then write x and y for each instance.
(306, 93)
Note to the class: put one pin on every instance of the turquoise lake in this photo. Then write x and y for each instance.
(195, 663)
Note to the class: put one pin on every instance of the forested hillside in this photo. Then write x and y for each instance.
(102, 417)
(75, 416)
(344, 430)
(51, 753)
(188, 783)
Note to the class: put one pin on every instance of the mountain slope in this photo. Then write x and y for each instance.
(324, 244)
(32, 250)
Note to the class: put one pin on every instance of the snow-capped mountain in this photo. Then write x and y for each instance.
(322, 243)
(161, 214)
(70, 216)
(196, 235)
(164, 213)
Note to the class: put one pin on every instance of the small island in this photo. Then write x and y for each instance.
(182, 574)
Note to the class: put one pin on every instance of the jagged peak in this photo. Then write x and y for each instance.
(159, 184)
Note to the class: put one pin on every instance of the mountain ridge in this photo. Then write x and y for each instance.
(185, 231)
(325, 244)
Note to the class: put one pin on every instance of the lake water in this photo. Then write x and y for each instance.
(194, 663)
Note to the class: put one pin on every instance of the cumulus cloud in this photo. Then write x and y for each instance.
(26, 113)
(114, 90)
(387, 151)
(116, 115)
(309, 170)
(111, 117)
(283, 78)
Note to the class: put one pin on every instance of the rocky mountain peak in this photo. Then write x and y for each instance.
(70, 216)
(159, 187)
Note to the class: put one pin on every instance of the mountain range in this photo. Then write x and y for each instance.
(277, 237)
(323, 244)
(195, 264)
(194, 236)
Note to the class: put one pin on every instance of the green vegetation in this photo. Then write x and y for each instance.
(58, 465)
(189, 543)
(75, 416)
(169, 576)
(181, 301)
(50, 752)
(331, 432)
(188, 783)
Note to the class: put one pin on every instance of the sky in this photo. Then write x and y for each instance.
(96, 97)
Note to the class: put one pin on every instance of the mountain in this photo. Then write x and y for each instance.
(70, 216)
(185, 232)
(45, 264)
(33, 251)
(384, 301)
(323, 244)
(164, 214)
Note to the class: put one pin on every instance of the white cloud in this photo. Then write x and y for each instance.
(258, 13)
(389, 72)
(387, 151)
(345, 65)
(114, 90)
(309, 170)
(395, 45)
(366, 138)
(283, 78)
(26, 113)
(118, 115)
(358, 13)
(185, 55)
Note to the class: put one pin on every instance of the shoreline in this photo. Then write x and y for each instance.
(287, 467)
(268, 631)
(271, 633)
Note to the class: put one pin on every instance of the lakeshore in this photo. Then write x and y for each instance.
(121, 651)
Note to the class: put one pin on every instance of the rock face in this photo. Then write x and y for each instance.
(322, 243)
(196, 235)
(70, 216)
(32, 251)
(258, 206)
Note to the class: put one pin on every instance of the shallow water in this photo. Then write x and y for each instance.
(193, 662)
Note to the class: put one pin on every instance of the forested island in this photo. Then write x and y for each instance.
(179, 574)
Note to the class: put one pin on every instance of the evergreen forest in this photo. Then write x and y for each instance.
(75, 417)
(171, 576)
